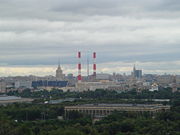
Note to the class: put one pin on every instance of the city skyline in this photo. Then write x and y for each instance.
(34, 33)
(46, 70)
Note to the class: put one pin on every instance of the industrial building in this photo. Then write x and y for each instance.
(46, 83)
(94, 81)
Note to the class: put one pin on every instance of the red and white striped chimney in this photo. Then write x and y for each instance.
(94, 64)
(79, 67)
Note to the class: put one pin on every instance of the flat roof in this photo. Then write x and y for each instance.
(121, 105)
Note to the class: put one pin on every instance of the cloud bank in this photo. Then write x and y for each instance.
(37, 33)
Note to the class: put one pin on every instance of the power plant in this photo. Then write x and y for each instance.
(91, 77)
(91, 82)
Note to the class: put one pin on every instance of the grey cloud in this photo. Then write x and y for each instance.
(37, 32)
(168, 5)
(65, 10)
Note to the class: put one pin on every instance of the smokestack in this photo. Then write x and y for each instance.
(94, 65)
(79, 67)
(87, 67)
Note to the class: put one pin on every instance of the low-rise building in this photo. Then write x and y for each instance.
(23, 84)
(92, 86)
(96, 110)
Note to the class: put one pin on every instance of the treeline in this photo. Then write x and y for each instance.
(118, 123)
(42, 119)
(32, 112)
(165, 93)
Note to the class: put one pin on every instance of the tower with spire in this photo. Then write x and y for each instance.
(59, 73)
(134, 71)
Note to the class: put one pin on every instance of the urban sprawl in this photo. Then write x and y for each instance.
(118, 82)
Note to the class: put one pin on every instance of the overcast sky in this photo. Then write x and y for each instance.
(34, 34)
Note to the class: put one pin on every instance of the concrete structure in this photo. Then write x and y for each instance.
(96, 110)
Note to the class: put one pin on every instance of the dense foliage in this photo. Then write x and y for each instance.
(133, 94)
(42, 119)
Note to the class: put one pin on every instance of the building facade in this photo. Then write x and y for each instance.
(59, 74)
(96, 110)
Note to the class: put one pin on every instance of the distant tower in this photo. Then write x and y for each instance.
(134, 71)
(59, 73)
(79, 67)
(94, 65)
(136, 74)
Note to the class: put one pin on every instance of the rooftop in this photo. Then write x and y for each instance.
(120, 105)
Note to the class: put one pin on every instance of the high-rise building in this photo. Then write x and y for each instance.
(137, 73)
(59, 74)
